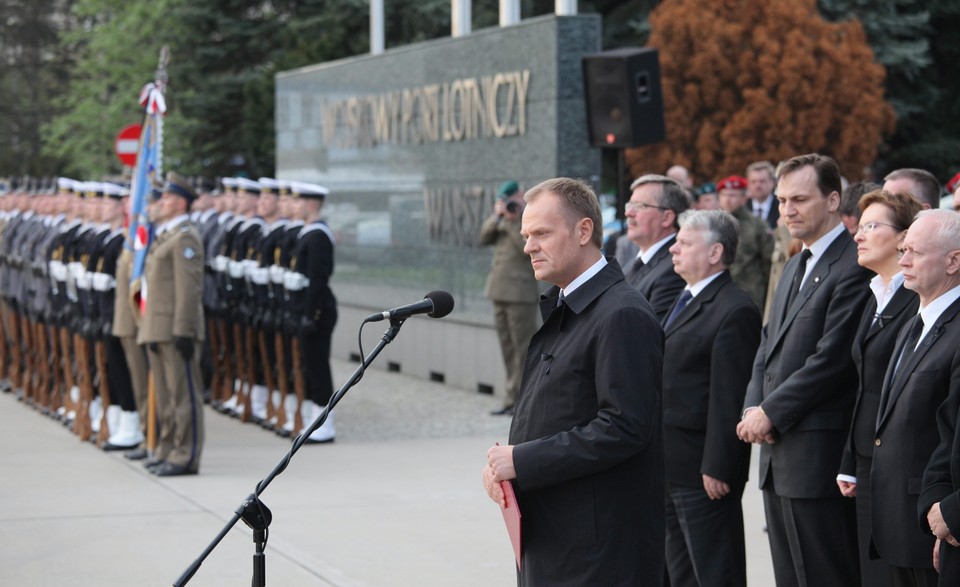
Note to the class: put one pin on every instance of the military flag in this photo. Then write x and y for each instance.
(147, 172)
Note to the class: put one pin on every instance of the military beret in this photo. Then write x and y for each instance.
(734, 182)
(507, 189)
(707, 188)
(954, 183)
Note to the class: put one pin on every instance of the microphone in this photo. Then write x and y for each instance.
(435, 304)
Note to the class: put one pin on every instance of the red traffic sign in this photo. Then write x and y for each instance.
(126, 144)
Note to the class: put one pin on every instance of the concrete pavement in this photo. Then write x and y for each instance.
(396, 501)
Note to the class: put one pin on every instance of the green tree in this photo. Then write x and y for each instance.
(35, 68)
(916, 42)
(116, 44)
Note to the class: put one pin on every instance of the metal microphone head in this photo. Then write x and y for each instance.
(442, 303)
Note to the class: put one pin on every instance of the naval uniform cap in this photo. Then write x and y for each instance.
(283, 187)
(229, 183)
(112, 190)
(65, 184)
(248, 186)
(268, 185)
(92, 189)
(179, 186)
(312, 191)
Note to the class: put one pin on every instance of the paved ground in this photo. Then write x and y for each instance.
(396, 501)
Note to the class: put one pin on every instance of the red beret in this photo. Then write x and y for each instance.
(734, 182)
(954, 183)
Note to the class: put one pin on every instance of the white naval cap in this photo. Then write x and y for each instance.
(314, 191)
(248, 185)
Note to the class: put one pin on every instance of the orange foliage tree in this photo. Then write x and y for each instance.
(745, 80)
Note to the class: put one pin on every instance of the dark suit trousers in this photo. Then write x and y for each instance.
(904, 577)
(873, 572)
(813, 542)
(705, 546)
(949, 565)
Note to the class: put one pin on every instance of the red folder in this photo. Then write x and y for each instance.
(511, 517)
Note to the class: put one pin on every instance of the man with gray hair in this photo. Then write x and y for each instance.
(655, 204)
(922, 374)
(919, 182)
(712, 334)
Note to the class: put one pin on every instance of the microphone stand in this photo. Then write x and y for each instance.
(255, 513)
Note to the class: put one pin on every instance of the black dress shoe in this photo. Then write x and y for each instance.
(112, 447)
(504, 411)
(136, 455)
(171, 470)
(152, 463)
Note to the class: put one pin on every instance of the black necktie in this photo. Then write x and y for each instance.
(913, 337)
(805, 255)
(682, 302)
(637, 265)
(560, 299)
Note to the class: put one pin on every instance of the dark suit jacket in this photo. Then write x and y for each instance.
(657, 281)
(772, 216)
(941, 479)
(587, 440)
(906, 438)
(872, 348)
(708, 353)
(803, 374)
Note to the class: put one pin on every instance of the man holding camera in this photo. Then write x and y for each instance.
(511, 286)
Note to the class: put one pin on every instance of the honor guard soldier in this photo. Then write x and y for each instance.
(266, 307)
(125, 430)
(203, 213)
(309, 288)
(214, 301)
(6, 208)
(172, 328)
(65, 392)
(237, 248)
(45, 330)
(291, 384)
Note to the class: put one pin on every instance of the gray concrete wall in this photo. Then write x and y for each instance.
(413, 144)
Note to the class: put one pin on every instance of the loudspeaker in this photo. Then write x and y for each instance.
(624, 98)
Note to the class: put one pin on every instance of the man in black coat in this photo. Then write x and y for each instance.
(585, 456)
(924, 370)
(712, 333)
(801, 395)
(655, 204)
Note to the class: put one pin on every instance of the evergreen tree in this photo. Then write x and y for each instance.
(35, 70)
(917, 42)
(116, 44)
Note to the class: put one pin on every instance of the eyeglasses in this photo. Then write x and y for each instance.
(871, 226)
(637, 206)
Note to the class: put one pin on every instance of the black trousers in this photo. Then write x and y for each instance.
(813, 542)
(315, 357)
(705, 545)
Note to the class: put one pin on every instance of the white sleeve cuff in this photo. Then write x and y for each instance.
(847, 478)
